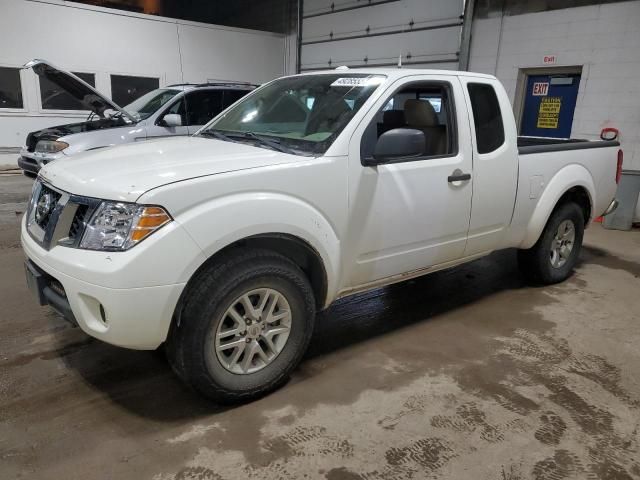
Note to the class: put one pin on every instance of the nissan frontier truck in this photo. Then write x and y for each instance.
(223, 245)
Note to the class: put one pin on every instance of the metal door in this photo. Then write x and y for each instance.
(549, 104)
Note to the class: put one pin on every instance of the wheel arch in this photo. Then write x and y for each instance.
(296, 249)
(572, 183)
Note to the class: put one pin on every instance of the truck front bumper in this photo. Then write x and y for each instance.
(131, 317)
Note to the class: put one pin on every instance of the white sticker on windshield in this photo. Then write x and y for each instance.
(357, 82)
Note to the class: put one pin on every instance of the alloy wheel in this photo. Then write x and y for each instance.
(253, 331)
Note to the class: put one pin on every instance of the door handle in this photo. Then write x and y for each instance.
(458, 176)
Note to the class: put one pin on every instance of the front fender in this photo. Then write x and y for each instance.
(220, 222)
(573, 175)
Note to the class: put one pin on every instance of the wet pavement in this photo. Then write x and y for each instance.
(464, 374)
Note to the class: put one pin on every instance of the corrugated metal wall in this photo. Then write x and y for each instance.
(361, 33)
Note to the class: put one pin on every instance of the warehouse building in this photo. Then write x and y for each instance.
(320, 239)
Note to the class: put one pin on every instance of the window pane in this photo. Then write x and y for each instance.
(287, 107)
(179, 109)
(55, 98)
(148, 104)
(90, 78)
(10, 88)
(419, 106)
(486, 117)
(202, 106)
(232, 96)
(125, 89)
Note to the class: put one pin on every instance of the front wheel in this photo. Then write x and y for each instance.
(553, 257)
(245, 326)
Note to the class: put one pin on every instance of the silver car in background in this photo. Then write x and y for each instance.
(173, 110)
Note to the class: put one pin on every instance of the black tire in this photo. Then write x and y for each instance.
(213, 291)
(535, 263)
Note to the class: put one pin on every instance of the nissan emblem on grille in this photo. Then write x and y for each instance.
(44, 207)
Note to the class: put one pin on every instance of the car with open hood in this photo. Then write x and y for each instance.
(179, 109)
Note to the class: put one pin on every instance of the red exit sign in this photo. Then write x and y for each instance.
(540, 89)
(549, 59)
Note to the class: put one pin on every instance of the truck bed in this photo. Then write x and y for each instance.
(527, 145)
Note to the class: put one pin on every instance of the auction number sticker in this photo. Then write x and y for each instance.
(357, 81)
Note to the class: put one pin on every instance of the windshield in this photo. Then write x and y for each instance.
(149, 103)
(304, 113)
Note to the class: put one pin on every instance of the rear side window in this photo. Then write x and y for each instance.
(486, 117)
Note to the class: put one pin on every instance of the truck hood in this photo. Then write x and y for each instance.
(125, 172)
(78, 89)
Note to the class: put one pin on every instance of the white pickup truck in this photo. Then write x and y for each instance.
(224, 245)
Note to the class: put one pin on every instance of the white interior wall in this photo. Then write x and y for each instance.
(104, 41)
(425, 34)
(603, 39)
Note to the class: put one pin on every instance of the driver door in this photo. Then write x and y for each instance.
(408, 214)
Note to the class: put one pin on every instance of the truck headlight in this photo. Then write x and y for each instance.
(119, 226)
(50, 146)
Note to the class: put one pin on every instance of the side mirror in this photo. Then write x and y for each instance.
(172, 120)
(399, 143)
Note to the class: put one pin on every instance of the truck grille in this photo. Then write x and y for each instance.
(56, 217)
(77, 226)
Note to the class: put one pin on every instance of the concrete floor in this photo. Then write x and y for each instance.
(465, 374)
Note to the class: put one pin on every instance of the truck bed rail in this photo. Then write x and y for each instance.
(528, 145)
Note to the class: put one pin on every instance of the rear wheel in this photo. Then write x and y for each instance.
(245, 326)
(553, 257)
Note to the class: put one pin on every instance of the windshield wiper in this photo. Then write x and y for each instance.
(234, 136)
(275, 144)
(216, 134)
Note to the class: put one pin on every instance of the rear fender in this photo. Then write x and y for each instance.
(570, 176)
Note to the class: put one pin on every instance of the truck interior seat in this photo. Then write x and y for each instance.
(391, 119)
(421, 116)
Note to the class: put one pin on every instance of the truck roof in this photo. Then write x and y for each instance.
(393, 73)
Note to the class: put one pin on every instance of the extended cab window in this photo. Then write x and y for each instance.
(424, 106)
(487, 117)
